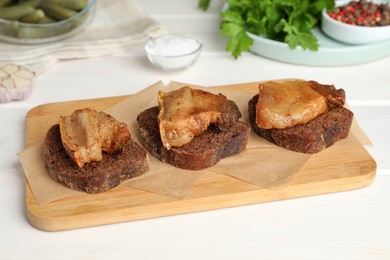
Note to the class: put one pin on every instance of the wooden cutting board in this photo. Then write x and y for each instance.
(338, 168)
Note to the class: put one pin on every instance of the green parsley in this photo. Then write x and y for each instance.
(204, 4)
(287, 21)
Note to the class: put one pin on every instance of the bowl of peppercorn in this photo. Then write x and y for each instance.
(358, 22)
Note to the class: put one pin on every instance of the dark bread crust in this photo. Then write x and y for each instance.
(202, 152)
(230, 115)
(94, 177)
(312, 137)
(334, 97)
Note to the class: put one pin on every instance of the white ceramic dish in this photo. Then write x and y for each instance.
(353, 34)
(173, 51)
(330, 52)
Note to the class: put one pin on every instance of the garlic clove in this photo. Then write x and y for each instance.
(15, 82)
(9, 83)
(22, 83)
(3, 74)
(10, 68)
(25, 74)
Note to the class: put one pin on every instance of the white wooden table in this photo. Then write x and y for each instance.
(347, 225)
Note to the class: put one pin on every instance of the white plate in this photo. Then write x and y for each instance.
(330, 52)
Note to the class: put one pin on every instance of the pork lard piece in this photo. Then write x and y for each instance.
(187, 112)
(285, 104)
(86, 134)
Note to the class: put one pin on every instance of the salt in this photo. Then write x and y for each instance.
(173, 51)
(173, 45)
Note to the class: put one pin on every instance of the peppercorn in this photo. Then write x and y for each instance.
(362, 13)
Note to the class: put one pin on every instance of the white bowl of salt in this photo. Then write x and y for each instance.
(173, 51)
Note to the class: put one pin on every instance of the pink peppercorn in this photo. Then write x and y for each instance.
(362, 13)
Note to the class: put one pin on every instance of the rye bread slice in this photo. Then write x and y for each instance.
(94, 177)
(312, 137)
(202, 152)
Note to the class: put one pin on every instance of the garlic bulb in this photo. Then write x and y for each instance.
(15, 82)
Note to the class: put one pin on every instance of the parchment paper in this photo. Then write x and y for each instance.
(260, 164)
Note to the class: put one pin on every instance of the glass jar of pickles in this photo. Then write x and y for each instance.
(42, 21)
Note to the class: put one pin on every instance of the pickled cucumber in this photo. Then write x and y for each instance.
(75, 5)
(40, 12)
(33, 3)
(6, 2)
(47, 19)
(10, 29)
(15, 12)
(39, 33)
(56, 11)
(33, 17)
